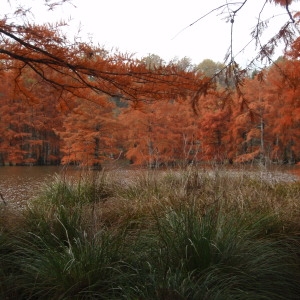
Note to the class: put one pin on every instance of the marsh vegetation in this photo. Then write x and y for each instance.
(154, 235)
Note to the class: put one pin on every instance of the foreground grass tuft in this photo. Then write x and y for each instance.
(154, 235)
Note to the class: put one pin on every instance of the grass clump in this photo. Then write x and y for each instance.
(216, 256)
(77, 268)
(89, 188)
(156, 235)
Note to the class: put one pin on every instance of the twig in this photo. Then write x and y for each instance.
(205, 15)
(288, 11)
(1, 196)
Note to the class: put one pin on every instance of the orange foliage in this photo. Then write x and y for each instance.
(45, 120)
(163, 134)
(89, 141)
(26, 126)
(282, 2)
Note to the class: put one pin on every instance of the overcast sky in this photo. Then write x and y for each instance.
(157, 26)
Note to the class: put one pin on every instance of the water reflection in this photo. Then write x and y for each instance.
(18, 184)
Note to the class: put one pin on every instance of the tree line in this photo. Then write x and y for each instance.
(259, 122)
(71, 102)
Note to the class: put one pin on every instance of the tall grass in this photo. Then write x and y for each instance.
(72, 268)
(213, 256)
(155, 235)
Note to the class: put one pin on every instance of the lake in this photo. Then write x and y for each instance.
(19, 184)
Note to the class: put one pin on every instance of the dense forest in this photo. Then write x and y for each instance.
(260, 122)
(69, 102)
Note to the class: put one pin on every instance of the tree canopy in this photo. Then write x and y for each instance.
(74, 102)
(73, 67)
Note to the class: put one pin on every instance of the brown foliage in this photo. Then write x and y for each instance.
(45, 78)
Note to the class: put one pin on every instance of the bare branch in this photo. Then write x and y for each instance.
(288, 11)
(205, 15)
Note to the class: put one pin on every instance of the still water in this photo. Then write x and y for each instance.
(18, 184)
